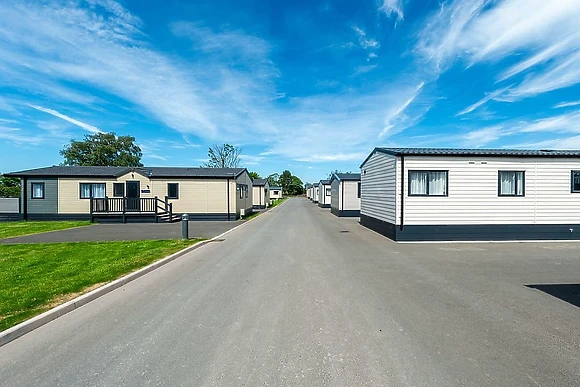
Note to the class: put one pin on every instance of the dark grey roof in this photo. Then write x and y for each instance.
(324, 182)
(346, 176)
(153, 172)
(259, 182)
(475, 152)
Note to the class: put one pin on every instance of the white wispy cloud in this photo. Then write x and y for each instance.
(488, 97)
(397, 120)
(390, 7)
(525, 129)
(87, 127)
(566, 104)
(364, 41)
(544, 34)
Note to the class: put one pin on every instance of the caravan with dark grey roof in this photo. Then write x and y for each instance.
(135, 194)
(261, 193)
(416, 194)
(345, 194)
(324, 193)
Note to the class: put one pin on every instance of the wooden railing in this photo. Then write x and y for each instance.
(125, 205)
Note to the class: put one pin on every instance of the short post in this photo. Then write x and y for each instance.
(185, 226)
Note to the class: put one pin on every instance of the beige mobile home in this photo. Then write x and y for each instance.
(345, 194)
(261, 193)
(275, 193)
(471, 194)
(135, 194)
(324, 194)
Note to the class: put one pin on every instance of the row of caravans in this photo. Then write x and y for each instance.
(430, 194)
(140, 194)
(341, 193)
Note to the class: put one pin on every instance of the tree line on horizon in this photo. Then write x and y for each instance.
(108, 149)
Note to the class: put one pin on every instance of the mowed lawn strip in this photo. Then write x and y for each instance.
(12, 229)
(37, 277)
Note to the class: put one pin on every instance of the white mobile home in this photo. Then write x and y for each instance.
(345, 194)
(309, 193)
(471, 194)
(261, 193)
(324, 194)
(315, 192)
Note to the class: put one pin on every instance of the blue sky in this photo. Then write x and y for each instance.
(310, 86)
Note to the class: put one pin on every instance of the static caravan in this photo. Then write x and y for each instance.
(345, 194)
(134, 194)
(471, 194)
(324, 194)
(309, 193)
(315, 193)
(261, 193)
(275, 193)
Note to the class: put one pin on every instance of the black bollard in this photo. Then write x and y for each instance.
(185, 226)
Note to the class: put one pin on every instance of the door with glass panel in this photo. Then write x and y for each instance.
(133, 194)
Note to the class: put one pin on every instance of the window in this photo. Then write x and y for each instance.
(428, 183)
(511, 183)
(358, 189)
(173, 190)
(243, 188)
(118, 190)
(37, 190)
(92, 190)
(276, 192)
(575, 181)
(328, 192)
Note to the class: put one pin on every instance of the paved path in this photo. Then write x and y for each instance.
(290, 299)
(126, 232)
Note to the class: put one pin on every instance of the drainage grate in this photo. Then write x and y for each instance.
(344, 231)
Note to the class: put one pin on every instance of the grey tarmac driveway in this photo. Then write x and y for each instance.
(290, 300)
(126, 232)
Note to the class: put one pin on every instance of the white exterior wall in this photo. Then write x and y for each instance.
(324, 198)
(379, 187)
(473, 192)
(351, 201)
(316, 193)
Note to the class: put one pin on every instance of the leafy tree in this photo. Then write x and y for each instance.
(286, 181)
(296, 187)
(274, 180)
(9, 186)
(255, 175)
(103, 149)
(223, 156)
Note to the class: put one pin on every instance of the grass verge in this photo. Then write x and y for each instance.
(12, 229)
(277, 202)
(37, 277)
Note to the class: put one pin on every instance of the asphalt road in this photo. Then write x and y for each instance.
(291, 299)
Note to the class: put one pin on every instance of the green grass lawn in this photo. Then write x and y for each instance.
(37, 277)
(12, 229)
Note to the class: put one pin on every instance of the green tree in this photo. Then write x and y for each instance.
(9, 186)
(273, 180)
(103, 149)
(223, 156)
(286, 181)
(296, 187)
(255, 175)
